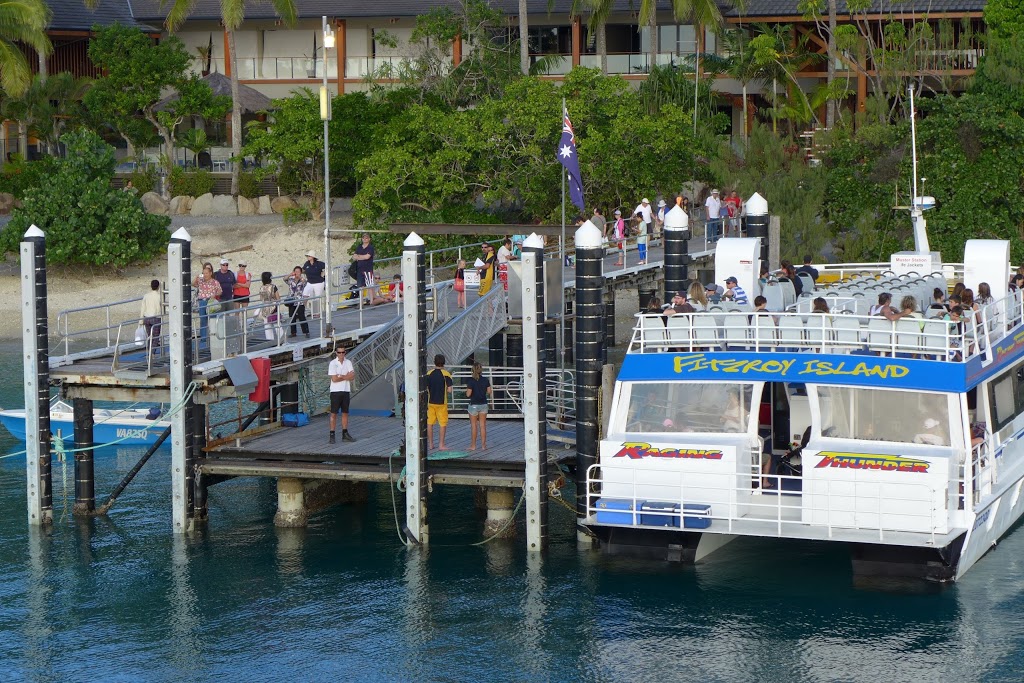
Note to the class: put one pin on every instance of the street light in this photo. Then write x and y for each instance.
(325, 114)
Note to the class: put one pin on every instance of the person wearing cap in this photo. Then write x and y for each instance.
(679, 305)
(619, 233)
(711, 291)
(712, 213)
(932, 434)
(313, 269)
(242, 282)
(734, 292)
(659, 218)
(227, 282)
(645, 210)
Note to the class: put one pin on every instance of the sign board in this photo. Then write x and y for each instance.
(910, 262)
(472, 277)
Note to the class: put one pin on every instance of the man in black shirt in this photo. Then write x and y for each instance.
(227, 282)
(808, 268)
(364, 265)
(439, 383)
(313, 269)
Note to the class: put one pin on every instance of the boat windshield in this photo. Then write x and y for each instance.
(884, 415)
(688, 407)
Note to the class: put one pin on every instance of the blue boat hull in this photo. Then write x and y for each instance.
(124, 435)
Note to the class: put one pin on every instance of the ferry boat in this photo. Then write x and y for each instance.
(128, 427)
(898, 438)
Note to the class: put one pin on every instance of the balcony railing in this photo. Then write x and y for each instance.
(274, 68)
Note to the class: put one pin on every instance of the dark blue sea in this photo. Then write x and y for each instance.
(120, 598)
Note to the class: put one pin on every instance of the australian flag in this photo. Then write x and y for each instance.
(567, 157)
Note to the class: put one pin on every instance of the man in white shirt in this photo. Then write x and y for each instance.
(505, 252)
(647, 212)
(341, 372)
(712, 213)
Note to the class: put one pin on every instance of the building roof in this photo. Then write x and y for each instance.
(785, 8)
(251, 100)
(73, 15)
(154, 11)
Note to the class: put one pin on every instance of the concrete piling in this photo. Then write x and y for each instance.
(535, 352)
(414, 314)
(500, 504)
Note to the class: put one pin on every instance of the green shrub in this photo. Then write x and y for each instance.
(143, 180)
(87, 221)
(191, 183)
(19, 175)
(296, 214)
(249, 185)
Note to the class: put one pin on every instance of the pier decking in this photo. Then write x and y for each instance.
(304, 453)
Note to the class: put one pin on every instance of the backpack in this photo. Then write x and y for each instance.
(353, 270)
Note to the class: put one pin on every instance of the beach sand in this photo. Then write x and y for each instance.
(263, 242)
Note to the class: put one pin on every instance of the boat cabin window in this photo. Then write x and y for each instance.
(688, 407)
(884, 415)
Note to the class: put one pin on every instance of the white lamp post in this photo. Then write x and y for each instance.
(325, 114)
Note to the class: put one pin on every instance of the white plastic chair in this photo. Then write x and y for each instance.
(705, 332)
(791, 331)
(763, 334)
(652, 327)
(736, 331)
(880, 332)
(818, 331)
(678, 331)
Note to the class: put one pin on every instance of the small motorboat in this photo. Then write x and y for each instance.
(126, 427)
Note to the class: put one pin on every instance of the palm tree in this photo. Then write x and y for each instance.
(59, 101)
(598, 12)
(232, 13)
(738, 64)
(21, 22)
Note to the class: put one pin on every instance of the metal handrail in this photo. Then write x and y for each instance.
(741, 503)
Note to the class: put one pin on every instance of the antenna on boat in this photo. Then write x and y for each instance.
(918, 204)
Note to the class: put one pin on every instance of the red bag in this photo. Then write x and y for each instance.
(460, 285)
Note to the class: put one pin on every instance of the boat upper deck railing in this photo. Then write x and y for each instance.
(847, 327)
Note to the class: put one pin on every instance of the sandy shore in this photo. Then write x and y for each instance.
(263, 242)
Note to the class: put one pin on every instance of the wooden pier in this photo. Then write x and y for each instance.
(257, 448)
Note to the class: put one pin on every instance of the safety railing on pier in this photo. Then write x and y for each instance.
(78, 336)
(736, 327)
(793, 507)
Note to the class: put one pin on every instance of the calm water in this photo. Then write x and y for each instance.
(120, 599)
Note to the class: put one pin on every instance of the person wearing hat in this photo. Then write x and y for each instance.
(227, 282)
(659, 218)
(932, 434)
(619, 233)
(313, 269)
(734, 292)
(679, 305)
(711, 291)
(242, 282)
(712, 214)
(645, 210)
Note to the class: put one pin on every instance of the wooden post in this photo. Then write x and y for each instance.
(577, 34)
(341, 45)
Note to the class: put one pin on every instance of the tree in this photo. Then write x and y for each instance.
(739, 64)
(137, 72)
(85, 219)
(232, 14)
(1004, 18)
(63, 95)
(21, 23)
(292, 143)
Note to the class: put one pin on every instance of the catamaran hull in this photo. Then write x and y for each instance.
(133, 434)
(686, 547)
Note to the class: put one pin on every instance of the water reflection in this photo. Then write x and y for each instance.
(290, 557)
(36, 627)
(186, 620)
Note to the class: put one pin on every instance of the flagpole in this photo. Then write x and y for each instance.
(561, 270)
